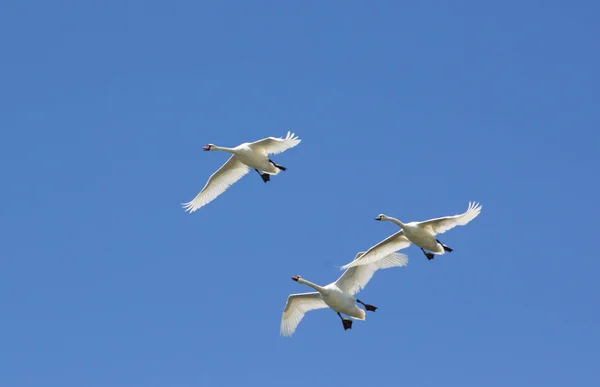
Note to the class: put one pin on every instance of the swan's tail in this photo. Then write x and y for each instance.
(360, 314)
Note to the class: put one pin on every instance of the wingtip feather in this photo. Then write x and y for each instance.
(291, 136)
(189, 207)
(348, 266)
(475, 207)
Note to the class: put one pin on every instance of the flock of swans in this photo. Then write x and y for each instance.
(339, 295)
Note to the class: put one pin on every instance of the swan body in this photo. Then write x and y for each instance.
(341, 302)
(338, 295)
(252, 158)
(246, 156)
(422, 234)
(421, 238)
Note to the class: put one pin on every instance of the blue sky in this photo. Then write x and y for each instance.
(408, 109)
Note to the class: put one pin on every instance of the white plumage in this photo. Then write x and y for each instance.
(338, 295)
(421, 234)
(244, 156)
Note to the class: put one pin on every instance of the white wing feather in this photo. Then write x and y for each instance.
(441, 225)
(274, 145)
(295, 308)
(217, 183)
(389, 245)
(356, 278)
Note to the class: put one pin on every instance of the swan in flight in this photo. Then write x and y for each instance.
(338, 295)
(421, 234)
(244, 156)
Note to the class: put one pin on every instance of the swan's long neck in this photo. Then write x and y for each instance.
(224, 149)
(314, 286)
(399, 223)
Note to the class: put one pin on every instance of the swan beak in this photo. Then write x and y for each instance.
(296, 277)
(206, 147)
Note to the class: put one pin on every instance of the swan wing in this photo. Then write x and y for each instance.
(273, 145)
(441, 225)
(218, 182)
(356, 278)
(295, 308)
(394, 242)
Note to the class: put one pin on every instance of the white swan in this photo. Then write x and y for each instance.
(245, 156)
(337, 295)
(421, 234)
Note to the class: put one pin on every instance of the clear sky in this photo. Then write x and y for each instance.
(411, 110)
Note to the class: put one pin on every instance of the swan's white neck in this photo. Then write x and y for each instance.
(399, 223)
(224, 149)
(314, 286)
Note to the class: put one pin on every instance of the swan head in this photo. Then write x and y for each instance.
(208, 147)
(381, 217)
(296, 278)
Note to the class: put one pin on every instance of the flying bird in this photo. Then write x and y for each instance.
(422, 234)
(245, 156)
(338, 295)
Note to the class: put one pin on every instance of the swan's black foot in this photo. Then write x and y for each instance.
(265, 176)
(428, 255)
(368, 307)
(446, 248)
(277, 165)
(347, 323)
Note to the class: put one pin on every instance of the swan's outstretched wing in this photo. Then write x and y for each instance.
(356, 278)
(229, 173)
(273, 145)
(392, 243)
(295, 308)
(441, 225)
